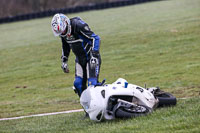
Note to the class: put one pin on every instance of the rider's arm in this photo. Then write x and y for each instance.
(65, 50)
(87, 33)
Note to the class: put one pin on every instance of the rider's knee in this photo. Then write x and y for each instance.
(78, 85)
(92, 81)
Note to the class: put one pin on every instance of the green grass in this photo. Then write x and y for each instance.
(156, 43)
(183, 118)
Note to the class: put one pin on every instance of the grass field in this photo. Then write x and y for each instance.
(156, 43)
(182, 118)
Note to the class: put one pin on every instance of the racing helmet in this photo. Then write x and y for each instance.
(60, 25)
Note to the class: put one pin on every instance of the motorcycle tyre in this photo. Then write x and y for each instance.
(166, 99)
(124, 113)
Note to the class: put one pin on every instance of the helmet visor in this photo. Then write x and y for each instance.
(64, 33)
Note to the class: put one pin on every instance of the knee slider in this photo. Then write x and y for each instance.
(78, 84)
(92, 81)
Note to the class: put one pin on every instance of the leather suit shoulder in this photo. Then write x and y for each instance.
(77, 23)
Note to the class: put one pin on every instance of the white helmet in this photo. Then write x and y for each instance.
(60, 25)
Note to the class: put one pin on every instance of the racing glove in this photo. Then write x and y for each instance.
(94, 59)
(64, 65)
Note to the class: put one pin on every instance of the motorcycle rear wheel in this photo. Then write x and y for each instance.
(165, 99)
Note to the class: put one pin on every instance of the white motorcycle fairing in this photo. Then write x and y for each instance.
(95, 99)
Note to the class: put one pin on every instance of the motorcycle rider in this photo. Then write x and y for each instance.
(75, 34)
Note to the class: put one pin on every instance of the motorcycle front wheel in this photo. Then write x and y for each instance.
(128, 112)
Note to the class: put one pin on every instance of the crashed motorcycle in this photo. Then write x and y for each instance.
(123, 100)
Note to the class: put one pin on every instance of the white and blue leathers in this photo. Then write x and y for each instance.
(85, 44)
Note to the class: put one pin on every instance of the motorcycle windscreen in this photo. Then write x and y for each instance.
(85, 99)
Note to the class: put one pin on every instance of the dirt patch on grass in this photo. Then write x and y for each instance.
(191, 91)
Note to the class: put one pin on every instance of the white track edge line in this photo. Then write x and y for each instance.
(45, 114)
(56, 113)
